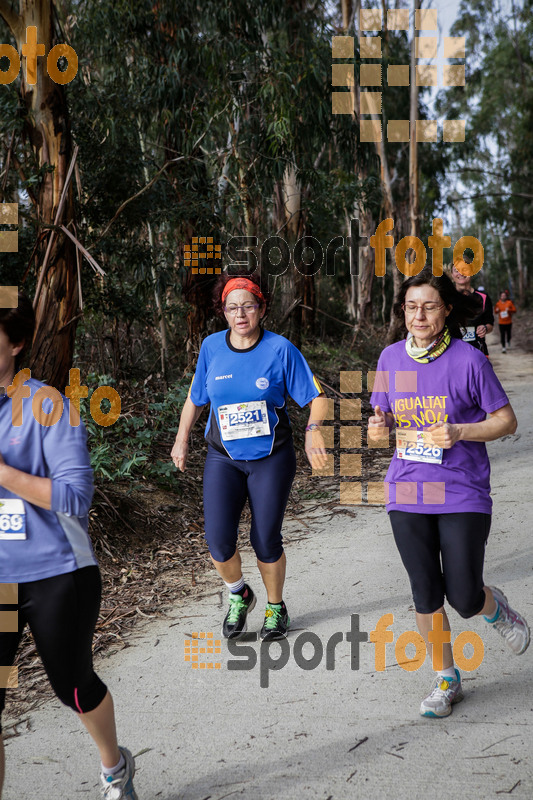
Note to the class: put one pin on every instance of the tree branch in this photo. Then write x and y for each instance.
(491, 194)
(92, 261)
(57, 220)
(136, 195)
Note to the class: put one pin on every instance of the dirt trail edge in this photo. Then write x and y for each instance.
(333, 733)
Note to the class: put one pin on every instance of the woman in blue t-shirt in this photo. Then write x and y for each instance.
(444, 400)
(245, 374)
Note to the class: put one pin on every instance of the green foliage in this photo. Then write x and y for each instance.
(496, 161)
(138, 445)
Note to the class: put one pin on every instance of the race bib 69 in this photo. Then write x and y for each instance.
(12, 519)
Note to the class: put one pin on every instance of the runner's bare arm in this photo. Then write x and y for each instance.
(314, 443)
(32, 488)
(318, 410)
(189, 415)
(500, 423)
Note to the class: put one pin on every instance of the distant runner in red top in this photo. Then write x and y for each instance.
(505, 308)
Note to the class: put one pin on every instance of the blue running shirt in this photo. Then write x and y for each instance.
(37, 543)
(248, 391)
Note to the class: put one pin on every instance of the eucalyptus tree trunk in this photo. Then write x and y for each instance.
(365, 279)
(153, 254)
(47, 130)
(413, 146)
(522, 275)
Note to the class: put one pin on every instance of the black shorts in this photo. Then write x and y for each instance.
(61, 612)
(443, 555)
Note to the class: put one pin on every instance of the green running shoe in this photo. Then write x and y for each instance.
(240, 605)
(276, 624)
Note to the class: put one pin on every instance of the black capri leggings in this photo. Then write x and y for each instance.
(61, 612)
(458, 540)
(265, 482)
(505, 332)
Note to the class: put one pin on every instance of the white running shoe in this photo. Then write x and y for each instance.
(510, 624)
(120, 787)
(445, 693)
(503, 349)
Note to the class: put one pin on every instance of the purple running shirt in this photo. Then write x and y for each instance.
(460, 386)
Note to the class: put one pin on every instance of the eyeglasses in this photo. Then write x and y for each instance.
(427, 308)
(248, 308)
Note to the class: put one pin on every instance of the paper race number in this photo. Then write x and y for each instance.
(12, 519)
(417, 446)
(469, 334)
(243, 420)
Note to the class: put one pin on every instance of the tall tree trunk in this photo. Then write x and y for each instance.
(366, 274)
(500, 237)
(366, 261)
(287, 216)
(522, 275)
(351, 307)
(347, 11)
(413, 147)
(153, 256)
(48, 131)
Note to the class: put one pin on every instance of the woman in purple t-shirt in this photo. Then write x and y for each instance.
(444, 401)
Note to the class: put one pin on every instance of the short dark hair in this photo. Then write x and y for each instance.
(464, 307)
(19, 324)
(223, 280)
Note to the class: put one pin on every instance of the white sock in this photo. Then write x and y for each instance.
(118, 768)
(237, 586)
(449, 672)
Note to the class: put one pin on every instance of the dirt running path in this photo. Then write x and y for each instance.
(321, 733)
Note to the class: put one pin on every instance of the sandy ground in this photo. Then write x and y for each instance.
(346, 732)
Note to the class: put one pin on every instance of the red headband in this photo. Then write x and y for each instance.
(242, 283)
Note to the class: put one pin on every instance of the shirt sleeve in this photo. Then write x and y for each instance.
(198, 390)
(300, 382)
(488, 314)
(487, 390)
(68, 465)
(380, 394)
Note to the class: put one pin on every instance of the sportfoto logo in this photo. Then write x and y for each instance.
(246, 656)
(308, 254)
(370, 74)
